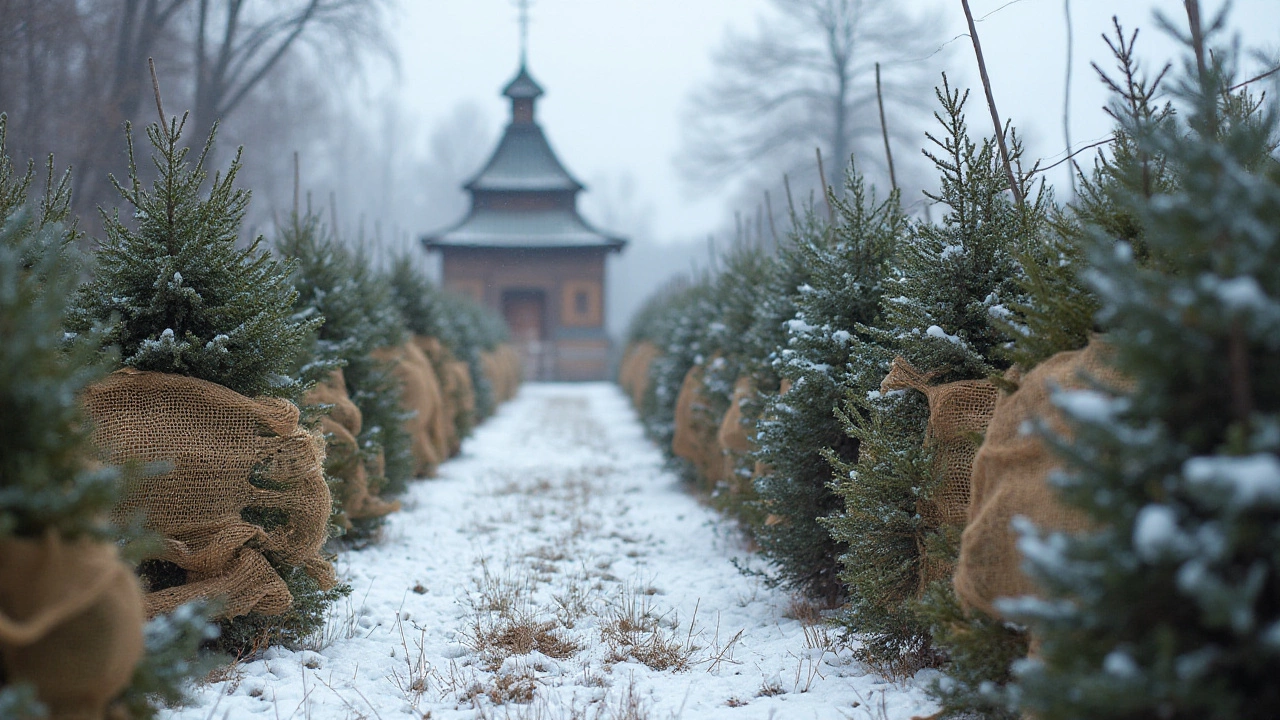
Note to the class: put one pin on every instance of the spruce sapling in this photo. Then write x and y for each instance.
(845, 267)
(1171, 607)
(333, 282)
(173, 292)
(943, 314)
(46, 481)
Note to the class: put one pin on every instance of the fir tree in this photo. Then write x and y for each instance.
(335, 283)
(1060, 309)
(175, 295)
(680, 331)
(46, 483)
(1171, 607)
(944, 314)
(844, 267)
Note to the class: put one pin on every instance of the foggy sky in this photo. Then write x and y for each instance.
(618, 74)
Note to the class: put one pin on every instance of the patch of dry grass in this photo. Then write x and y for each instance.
(631, 628)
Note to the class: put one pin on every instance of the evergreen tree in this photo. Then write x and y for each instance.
(1060, 309)
(175, 295)
(944, 314)
(680, 332)
(46, 483)
(335, 283)
(1170, 608)
(419, 301)
(844, 267)
(738, 286)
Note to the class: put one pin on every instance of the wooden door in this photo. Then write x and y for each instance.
(525, 312)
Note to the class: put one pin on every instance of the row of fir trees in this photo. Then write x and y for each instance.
(855, 333)
(170, 287)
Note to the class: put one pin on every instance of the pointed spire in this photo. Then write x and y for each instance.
(524, 31)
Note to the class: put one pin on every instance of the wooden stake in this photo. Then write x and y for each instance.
(991, 103)
(1197, 35)
(155, 87)
(822, 175)
(773, 229)
(884, 130)
(1066, 93)
(791, 203)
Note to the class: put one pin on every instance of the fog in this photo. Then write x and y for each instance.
(392, 107)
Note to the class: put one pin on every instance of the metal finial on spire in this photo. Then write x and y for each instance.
(524, 29)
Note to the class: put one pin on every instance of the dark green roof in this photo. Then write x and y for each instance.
(523, 161)
(558, 228)
(522, 86)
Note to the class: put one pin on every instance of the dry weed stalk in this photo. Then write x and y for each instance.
(631, 629)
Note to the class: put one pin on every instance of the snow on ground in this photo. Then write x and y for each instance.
(557, 570)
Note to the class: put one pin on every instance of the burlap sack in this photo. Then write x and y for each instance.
(958, 415)
(633, 374)
(695, 430)
(513, 368)
(458, 397)
(343, 460)
(502, 370)
(1010, 478)
(229, 454)
(71, 621)
(420, 395)
(735, 434)
(440, 425)
(458, 383)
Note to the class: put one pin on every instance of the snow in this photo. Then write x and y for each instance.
(798, 326)
(1089, 406)
(559, 516)
(938, 332)
(1155, 532)
(1247, 481)
(1240, 293)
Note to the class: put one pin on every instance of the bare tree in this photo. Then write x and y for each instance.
(238, 43)
(806, 79)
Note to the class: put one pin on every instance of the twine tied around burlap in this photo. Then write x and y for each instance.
(958, 415)
(1011, 476)
(343, 459)
(228, 454)
(71, 620)
(695, 431)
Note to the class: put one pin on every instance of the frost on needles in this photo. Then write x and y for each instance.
(173, 291)
(1172, 608)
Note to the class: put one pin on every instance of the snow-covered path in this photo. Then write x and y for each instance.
(556, 570)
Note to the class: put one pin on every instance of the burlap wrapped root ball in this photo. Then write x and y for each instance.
(458, 398)
(959, 413)
(440, 426)
(695, 429)
(343, 459)
(244, 481)
(1011, 477)
(421, 396)
(734, 436)
(71, 618)
(633, 373)
(502, 370)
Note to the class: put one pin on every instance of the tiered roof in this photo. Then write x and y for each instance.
(523, 197)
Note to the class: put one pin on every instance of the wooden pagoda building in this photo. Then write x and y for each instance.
(524, 251)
